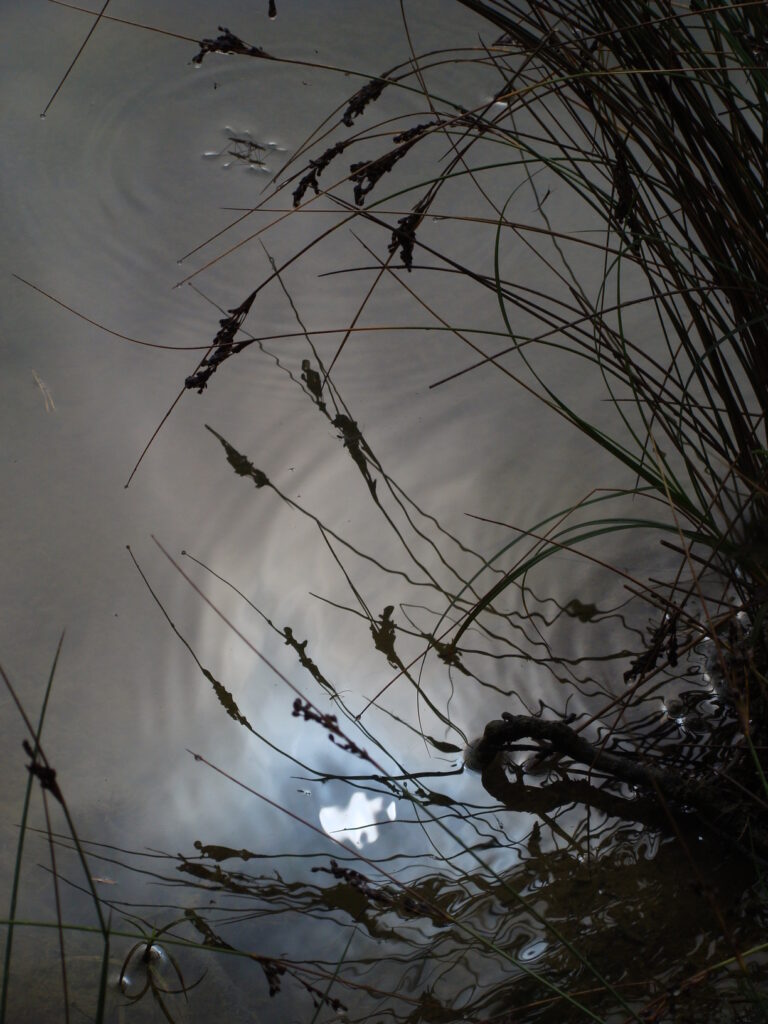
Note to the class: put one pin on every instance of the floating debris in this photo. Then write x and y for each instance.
(46, 393)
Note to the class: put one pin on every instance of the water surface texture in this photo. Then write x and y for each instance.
(325, 869)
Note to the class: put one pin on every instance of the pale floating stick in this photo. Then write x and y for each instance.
(50, 406)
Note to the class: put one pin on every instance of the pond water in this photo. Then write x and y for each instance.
(334, 537)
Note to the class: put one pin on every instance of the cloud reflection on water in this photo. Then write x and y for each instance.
(358, 822)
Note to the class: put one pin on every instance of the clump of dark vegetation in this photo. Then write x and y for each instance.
(655, 118)
(663, 136)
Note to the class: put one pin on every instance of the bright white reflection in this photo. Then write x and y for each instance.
(357, 822)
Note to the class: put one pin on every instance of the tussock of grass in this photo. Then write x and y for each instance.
(652, 118)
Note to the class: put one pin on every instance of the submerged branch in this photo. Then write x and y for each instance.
(704, 795)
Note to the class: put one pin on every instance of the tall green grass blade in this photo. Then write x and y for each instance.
(324, 1001)
(103, 978)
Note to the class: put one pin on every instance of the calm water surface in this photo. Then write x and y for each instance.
(134, 167)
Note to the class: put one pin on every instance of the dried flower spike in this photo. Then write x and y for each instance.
(227, 42)
(223, 346)
(369, 93)
(316, 169)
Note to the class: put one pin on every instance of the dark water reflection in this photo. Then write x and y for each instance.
(328, 527)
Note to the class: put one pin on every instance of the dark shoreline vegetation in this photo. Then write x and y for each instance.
(653, 118)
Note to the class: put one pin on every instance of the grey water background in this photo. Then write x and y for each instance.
(125, 175)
